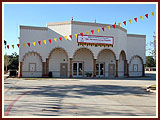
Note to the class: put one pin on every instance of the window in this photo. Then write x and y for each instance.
(32, 66)
(135, 67)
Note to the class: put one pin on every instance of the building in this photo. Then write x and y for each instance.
(116, 53)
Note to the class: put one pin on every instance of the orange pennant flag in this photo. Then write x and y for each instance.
(76, 35)
(44, 41)
(109, 27)
(65, 37)
(98, 30)
(119, 24)
(23, 44)
(34, 43)
(152, 13)
(55, 39)
(87, 33)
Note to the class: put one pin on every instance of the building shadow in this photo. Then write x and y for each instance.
(56, 94)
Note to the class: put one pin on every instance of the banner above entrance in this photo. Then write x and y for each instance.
(92, 39)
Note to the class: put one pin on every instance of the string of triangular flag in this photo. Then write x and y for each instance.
(87, 33)
(136, 19)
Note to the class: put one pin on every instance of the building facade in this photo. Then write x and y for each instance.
(66, 58)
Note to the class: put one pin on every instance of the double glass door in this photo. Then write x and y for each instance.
(100, 69)
(77, 69)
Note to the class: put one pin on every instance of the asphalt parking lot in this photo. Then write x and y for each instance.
(79, 97)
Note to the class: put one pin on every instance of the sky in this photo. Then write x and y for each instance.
(40, 14)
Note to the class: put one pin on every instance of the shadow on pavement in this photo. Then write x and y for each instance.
(80, 90)
(57, 93)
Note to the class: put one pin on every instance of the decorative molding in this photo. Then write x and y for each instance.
(136, 35)
(57, 48)
(78, 49)
(31, 52)
(59, 23)
(107, 50)
(134, 57)
(123, 53)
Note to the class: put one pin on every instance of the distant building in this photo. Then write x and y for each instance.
(150, 69)
(116, 53)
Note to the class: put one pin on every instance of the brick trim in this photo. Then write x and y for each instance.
(116, 68)
(70, 60)
(94, 67)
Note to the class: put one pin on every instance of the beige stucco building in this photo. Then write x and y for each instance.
(65, 58)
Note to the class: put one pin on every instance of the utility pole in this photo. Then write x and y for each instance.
(5, 43)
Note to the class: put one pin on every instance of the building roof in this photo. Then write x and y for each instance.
(136, 35)
(78, 23)
(84, 23)
(69, 22)
(33, 27)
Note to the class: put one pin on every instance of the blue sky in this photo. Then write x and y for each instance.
(40, 14)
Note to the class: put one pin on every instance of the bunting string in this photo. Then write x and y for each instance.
(70, 37)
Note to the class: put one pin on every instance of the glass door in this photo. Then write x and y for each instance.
(100, 69)
(77, 69)
(74, 69)
(97, 70)
(80, 69)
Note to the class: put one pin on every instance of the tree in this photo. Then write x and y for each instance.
(6, 62)
(11, 61)
(150, 62)
(151, 47)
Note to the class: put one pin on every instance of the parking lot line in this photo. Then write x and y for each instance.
(8, 109)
